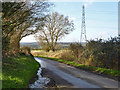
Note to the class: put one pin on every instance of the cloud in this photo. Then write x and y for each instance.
(72, 19)
(89, 2)
(29, 38)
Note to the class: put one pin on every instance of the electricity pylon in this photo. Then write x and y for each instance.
(83, 26)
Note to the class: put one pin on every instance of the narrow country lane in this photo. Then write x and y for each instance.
(78, 78)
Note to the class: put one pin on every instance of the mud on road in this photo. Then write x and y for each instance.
(55, 80)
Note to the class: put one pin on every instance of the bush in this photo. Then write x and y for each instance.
(100, 53)
(25, 50)
(76, 49)
(67, 55)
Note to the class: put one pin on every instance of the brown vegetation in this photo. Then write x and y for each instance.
(98, 53)
(55, 27)
(25, 50)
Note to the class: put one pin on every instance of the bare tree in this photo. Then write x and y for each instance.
(56, 26)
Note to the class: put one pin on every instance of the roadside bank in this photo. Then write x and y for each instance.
(17, 71)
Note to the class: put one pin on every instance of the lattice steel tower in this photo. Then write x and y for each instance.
(83, 26)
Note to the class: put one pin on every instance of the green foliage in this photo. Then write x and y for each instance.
(17, 71)
(104, 53)
(100, 53)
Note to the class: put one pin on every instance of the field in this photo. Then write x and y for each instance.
(32, 45)
(36, 45)
(56, 54)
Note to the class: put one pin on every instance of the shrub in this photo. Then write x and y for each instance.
(67, 55)
(76, 49)
(25, 50)
(100, 53)
(104, 53)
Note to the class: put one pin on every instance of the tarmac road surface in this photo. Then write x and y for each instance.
(77, 77)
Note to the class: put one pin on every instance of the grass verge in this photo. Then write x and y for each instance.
(99, 70)
(17, 71)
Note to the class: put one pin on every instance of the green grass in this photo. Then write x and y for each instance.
(99, 70)
(17, 71)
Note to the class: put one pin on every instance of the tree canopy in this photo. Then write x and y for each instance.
(20, 19)
(55, 27)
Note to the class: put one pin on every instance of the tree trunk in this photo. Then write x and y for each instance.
(14, 45)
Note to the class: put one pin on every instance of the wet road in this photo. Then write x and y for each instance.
(78, 78)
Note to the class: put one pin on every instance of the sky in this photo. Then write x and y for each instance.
(101, 19)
